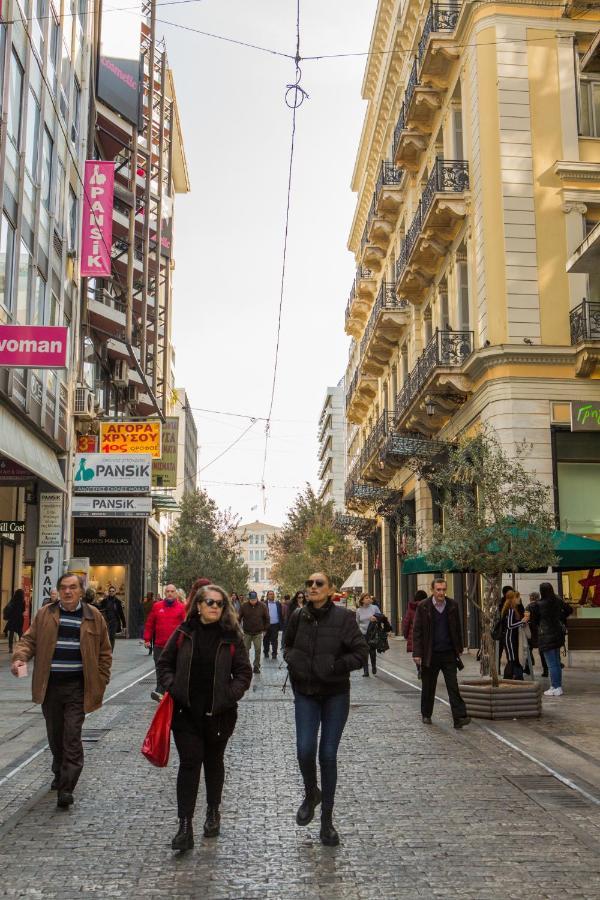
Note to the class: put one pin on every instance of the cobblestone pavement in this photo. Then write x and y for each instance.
(423, 811)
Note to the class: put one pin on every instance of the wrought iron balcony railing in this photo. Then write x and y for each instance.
(446, 348)
(448, 176)
(386, 299)
(351, 389)
(350, 301)
(411, 84)
(400, 126)
(441, 17)
(369, 493)
(585, 322)
(388, 174)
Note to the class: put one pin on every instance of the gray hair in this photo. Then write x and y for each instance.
(71, 575)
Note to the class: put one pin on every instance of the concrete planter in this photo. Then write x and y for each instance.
(510, 700)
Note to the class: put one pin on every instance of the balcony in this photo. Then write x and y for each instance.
(371, 256)
(385, 206)
(408, 144)
(401, 448)
(434, 388)
(106, 312)
(585, 322)
(360, 300)
(437, 47)
(359, 495)
(388, 318)
(436, 223)
(359, 396)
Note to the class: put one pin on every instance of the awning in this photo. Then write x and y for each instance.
(21, 445)
(354, 580)
(573, 552)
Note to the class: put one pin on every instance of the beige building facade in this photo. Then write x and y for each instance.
(477, 178)
(253, 542)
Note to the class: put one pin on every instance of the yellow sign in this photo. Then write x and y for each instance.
(131, 437)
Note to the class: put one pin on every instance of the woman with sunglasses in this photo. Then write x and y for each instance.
(322, 646)
(205, 668)
(299, 599)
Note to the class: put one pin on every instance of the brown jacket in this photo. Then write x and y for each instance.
(254, 619)
(422, 635)
(40, 641)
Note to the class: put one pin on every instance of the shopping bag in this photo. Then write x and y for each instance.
(157, 742)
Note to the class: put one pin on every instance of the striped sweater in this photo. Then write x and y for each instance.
(67, 662)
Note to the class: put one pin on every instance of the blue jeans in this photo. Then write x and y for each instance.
(553, 661)
(331, 713)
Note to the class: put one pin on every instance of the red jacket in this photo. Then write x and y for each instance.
(162, 621)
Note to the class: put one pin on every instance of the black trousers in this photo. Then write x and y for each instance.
(11, 638)
(446, 664)
(196, 749)
(64, 715)
(373, 658)
(270, 640)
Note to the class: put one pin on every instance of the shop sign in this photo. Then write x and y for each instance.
(99, 473)
(87, 443)
(33, 346)
(102, 537)
(10, 528)
(10, 469)
(112, 506)
(120, 62)
(96, 224)
(131, 437)
(164, 470)
(50, 531)
(585, 415)
(48, 569)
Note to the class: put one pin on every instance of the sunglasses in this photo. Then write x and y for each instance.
(218, 603)
(317, 582)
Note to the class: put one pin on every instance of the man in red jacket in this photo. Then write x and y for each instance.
(164, 617)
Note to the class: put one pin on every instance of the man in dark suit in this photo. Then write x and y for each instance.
(437, 646)
(271, 637)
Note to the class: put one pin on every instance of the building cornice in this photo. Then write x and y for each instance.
(577, 171)
(516, 354)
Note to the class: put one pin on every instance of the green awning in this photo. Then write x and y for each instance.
(573, 552)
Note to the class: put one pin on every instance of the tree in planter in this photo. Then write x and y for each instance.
(496, 518)
(203, 544)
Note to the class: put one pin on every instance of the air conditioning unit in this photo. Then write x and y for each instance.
(121, 373)
(85, 404)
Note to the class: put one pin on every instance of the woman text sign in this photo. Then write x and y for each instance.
(96, 227)
(33, 346)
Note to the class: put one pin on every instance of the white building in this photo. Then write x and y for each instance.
(254, 550)
(332, 446)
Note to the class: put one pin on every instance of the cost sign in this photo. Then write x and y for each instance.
(131, 437)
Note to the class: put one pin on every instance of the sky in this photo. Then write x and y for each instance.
(229, 233)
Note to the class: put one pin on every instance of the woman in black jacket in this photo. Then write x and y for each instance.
(205, 668)
(322, 646)
(14, 613)
(549, 616)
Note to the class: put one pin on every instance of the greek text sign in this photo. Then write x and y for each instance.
(50, 532)
(33, 346)
(120, 507)
(96, 226)
(131, 437)
(585, 415)
(164, 470)
(100, 473)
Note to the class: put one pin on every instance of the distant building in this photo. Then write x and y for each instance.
(254, 550)
(187, 456)
(332, 446)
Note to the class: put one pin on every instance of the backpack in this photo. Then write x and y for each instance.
(496, 631)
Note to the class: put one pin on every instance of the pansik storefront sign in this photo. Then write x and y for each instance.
(48, 569)
(51, 520)
(96, 226)
(33, 346)
(164, 470)
(131, 437)
(585, 415)
(99, 473)
(115, 507)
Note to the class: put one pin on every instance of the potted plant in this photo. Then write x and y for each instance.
(496, 518)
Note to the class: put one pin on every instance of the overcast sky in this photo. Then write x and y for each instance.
(229, 232)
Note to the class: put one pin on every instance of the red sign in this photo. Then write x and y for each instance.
(33, 346)
(10, 469)
(87, 443)
(96, 227)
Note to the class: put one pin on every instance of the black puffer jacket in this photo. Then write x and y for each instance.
(548, 617)
(233, 672)
(321, 648)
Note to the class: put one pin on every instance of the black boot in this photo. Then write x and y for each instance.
(306, 810)
(212, 824)
(328, 835)
(184, 839)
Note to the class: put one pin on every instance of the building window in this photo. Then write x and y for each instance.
(38, 301)
(53, 50)
(262, 574)
(32, 137)
(76, 111)
(589, 106)
(7, 251)
(256, 574)
(463, 296)
(15, 101)
(59, 210)
(262, 538)
(72, 220)
(23, 276)
(47, 149)
(252, 555)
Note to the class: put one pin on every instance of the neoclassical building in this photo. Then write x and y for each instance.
(477, 178)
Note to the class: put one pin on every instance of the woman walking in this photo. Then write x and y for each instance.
(236, 603)
(408, 622)
(14, 613)
(366, 613)
(512, 622)
(549, 615)
(205, 668)
(299, 599)
(322, 646)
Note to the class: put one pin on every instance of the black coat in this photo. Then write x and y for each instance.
(13, 614)
(322, 649)
(233, 672)
(423, 631)
(548, 618)
(112, 610)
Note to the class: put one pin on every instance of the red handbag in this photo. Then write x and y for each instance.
(157, 742)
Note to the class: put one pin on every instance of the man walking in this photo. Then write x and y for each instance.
(112, 609)
(69, 641)
(275, 625)
(437, 646)
(254, 619)
(164, 617)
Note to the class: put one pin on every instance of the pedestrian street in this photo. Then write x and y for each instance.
(422, 811)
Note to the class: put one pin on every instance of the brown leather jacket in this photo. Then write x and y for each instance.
(40, 641)
(254, 619)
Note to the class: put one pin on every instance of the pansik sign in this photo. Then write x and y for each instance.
(48, 569)
(96, 225)
(585, 415)
(131, 437)
(51, 520)
(33, 346)
(99, 473)
(164, 470)
(120, 62)
(119, 507)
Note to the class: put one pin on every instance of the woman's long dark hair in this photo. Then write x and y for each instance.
(295, 601)
(546, 591)
(18, 596)
(228, 620)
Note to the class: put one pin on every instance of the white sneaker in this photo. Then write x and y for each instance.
(553, 692)
(558, 692)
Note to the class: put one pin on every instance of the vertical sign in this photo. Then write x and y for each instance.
(50, 530)
(120, 71)
(164, 470)
(96, 227)
(48, 569)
